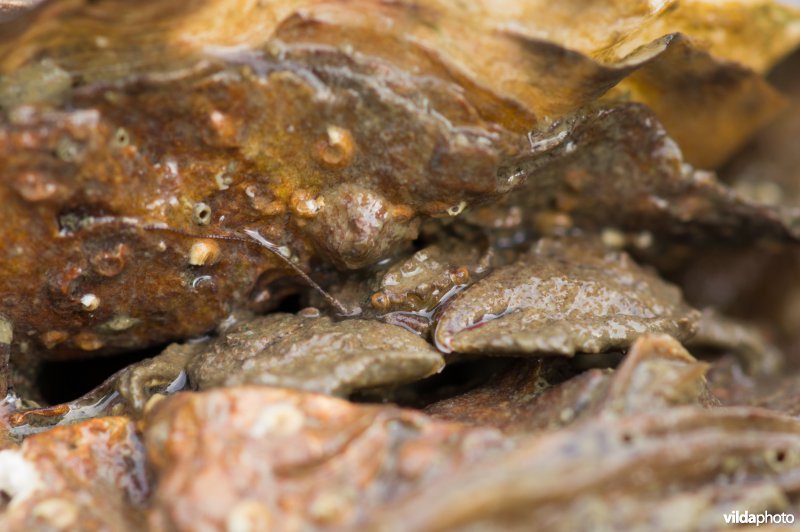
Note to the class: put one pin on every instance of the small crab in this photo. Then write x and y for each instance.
(154, 193)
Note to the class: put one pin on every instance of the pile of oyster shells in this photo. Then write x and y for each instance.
(399, 265)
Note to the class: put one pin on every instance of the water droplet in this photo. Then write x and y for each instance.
(198, 282)
(90, 302)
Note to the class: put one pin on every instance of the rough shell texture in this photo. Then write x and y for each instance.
(616, 167)
(534, 395)
(172, 167)
(502, 54)
(129, 173)
(89, 475)
(313, 353)
(642, 466)
(562, 298)
(118, 127)
(410, 288)
(292, 460)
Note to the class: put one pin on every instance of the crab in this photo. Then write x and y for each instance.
(384, 255)
(285, 155)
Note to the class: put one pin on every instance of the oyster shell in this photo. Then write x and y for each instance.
(543, 394)
(286, 458)
(89, 475)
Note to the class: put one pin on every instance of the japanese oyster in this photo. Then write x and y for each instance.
(389, 202)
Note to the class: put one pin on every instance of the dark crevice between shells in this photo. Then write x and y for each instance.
(63, 381)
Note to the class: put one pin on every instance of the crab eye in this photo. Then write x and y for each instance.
(380, 301)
